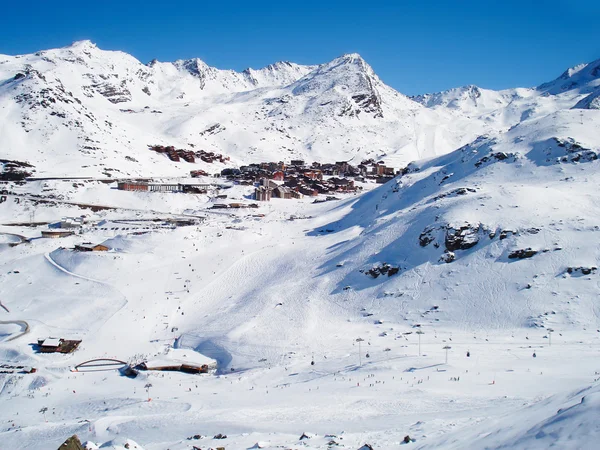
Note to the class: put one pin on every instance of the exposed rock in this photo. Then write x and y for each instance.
(427, 236)
(114, 93)
(522, 253)
(575, 151)
(14, 170)
(455, 192)
(383, 269)
(448, 257)
(73, 443)
(370, 103)
(498, 156)
(506, 233)
(462, 238)
(581, 270)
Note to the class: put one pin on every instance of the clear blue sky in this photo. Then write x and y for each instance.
(414, 46)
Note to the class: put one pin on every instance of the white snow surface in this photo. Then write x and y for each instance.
(83, 111)
(503, 185)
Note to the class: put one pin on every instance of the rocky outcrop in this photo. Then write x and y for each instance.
(575, 152)
(428, 236)
(493, 157)
(370, 103)
(454, 193)
(14, 170)
(383, 269)
(462, 238)
(114, 93)
(73, 443)
(522, 253)
(581, 270)
(448, 257)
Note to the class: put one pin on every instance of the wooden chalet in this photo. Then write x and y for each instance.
(56, 345)
(89, 247)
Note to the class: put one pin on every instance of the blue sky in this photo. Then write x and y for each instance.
(416, 47)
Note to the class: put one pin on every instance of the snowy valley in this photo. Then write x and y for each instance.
(454, 306)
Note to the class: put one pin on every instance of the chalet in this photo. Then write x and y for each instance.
(56, 345)
(174, 367)
(343, 184)
(55, 234)
(89, 247)
(180, 360)
(269, 184)
(384, 170)
(130, 186)
(382, 179)
(262, 194)
(71, 222)
(305, 190)
(278, 175)
(282, 192)
(198, 173)
(297, 162)
(342, 166)
(313, 174)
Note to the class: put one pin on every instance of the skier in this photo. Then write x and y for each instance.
(534, 355)
(468, 354)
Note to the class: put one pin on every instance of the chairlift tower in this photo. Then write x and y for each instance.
(419, 333)
(550, 331)
(359, 340)
(447, 347)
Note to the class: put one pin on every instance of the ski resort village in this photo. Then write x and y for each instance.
(294, 257)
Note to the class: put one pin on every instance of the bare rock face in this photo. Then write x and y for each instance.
(428, 236)
(114, 93)
(498, 156)
(581, 270)
(522, 253)
(383, 269)
(448, 257)
(370, 103)
(575, 152)
(462, 238)
(73, 443)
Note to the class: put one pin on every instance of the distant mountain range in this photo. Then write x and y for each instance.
(82, 110)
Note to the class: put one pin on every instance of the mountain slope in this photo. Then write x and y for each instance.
(484, 226)
(95, 112)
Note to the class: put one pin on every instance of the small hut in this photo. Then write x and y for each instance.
(56, 345)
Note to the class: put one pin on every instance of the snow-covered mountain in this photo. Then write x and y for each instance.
(85, 110)
(486, 243)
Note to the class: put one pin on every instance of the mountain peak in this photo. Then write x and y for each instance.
(84, 44)
(584, 77)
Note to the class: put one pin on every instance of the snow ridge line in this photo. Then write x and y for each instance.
(62, 269)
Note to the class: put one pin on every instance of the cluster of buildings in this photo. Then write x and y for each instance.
(276, 179)
(190, 156)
